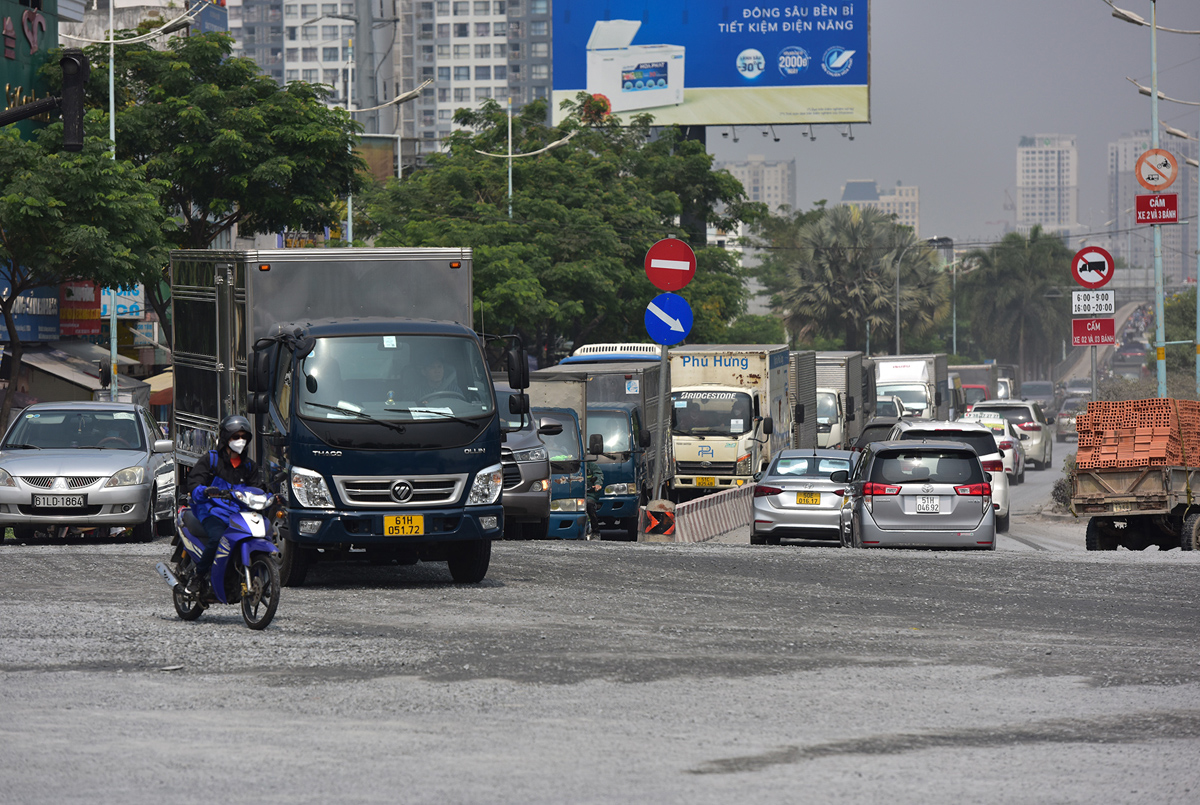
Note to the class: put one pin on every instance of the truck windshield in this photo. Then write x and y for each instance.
(711, 413)
(563, 448)
(827, 410)
(914, 396)
(394, 377)
(613, 427)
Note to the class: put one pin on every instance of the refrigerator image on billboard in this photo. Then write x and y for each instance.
(690, 63)
(632, 76)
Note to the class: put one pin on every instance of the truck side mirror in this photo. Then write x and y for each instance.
(518, 404)
(645, 438)
(768, 426)
(258, 373)
(757, 411)
(798, 417)
(258, 403)
(937, 398)
(305, 347)
(548, 427)
(518, 369)
(595, 444)
(850, 415)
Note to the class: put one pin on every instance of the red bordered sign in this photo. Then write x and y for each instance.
(1092, 267)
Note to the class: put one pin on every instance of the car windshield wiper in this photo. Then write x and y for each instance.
(21, 447)
(444, 415)
(393, 425)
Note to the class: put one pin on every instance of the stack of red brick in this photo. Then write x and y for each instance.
(1139, 433)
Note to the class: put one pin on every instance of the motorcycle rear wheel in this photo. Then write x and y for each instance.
(186, 606)
(260, 602)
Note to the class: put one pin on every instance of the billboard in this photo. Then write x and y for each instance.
(691, 63)
(78, 308)
(35, 314)
(131, 302)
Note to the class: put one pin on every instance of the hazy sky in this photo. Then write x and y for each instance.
(956, 83)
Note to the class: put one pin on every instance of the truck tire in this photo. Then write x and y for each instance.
(1189, 537)
(294, 562)
(468, 561)
(1097, 539)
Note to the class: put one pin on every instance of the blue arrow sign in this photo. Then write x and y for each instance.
(668, 319)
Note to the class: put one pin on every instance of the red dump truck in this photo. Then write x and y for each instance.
(1137, 474)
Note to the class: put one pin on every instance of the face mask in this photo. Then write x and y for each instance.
(237, 446)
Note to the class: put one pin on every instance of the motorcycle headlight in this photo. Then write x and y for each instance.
(743, 465)
(255, 501)
(486, 489)
(536, 454)
(310, 489)
(618, 489)
(569, 505)
(6, 479)
(130, 476)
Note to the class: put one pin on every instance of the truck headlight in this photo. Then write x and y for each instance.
(310, 489)
(618, 489)
(569, 505)
(486, 489)
(536, 454)
(743, 465)
(130, 476)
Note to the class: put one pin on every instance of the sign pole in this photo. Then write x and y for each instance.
(1159, 326)
(664, 425)
(1095, 379)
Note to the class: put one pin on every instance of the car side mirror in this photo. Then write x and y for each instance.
(768, 426)
(163, 446)
(988, 477)
(595, 444)
(840, 476)
(548, 427)
(645, 438)
(1023, 437)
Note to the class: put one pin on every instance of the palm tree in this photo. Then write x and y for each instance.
(842, 277)
(1012, 318)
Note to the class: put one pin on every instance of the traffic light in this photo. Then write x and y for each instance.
(75, 70)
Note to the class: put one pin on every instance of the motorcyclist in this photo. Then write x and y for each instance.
(227, 466)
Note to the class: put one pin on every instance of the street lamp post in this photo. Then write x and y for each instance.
(510, 156)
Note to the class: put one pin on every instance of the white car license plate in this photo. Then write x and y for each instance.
(929, 504)
(59, 501)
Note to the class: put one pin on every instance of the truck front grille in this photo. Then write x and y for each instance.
(376, 491)
(698, 468)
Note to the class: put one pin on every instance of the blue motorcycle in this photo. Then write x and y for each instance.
(246, 568)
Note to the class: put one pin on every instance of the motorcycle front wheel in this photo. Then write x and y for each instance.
(260, 601)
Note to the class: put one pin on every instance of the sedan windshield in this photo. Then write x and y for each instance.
(394, 378)
(49, 429)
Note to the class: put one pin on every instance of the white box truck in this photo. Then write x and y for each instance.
(802, 392)
(730, 413)
(921, 381)
(839, 399)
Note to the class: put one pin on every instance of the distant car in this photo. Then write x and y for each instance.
(1064, 423)
(1008, 441)
(973, 394)
(1040, 392)
(1031, 424)
(795, 499)
(1079, 385)
(86, 465)
(979, 439)
(876, 430)
(932, 494)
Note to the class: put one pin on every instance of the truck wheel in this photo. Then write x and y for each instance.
(1189, 538)
(1097, 539)
(294, 562)
(468, 561)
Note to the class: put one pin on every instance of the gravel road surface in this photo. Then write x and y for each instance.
(615, 672)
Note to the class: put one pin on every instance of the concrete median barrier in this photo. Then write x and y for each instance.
(715, 515)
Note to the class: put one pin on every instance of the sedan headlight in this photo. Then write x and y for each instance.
(618, 489)
(743, 465)
(310, 489)
(536, 454)
(6, 479)
(130, 476)
(569, 505)
(486, 489)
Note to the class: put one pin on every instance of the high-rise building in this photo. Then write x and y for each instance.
(1048, 183)
(773, 182)
(904, 201)
(1134, 244)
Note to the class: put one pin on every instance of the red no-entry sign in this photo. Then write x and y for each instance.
(670, 264)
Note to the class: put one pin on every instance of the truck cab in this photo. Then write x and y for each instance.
(719, 433)
(831, 420)
(622, 461)
(568, 474)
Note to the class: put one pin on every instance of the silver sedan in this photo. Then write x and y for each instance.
(794, 498)
(85, 465)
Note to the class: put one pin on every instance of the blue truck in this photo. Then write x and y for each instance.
(560, 398)
(373, 407)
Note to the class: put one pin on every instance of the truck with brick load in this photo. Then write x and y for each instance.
(1137, 474)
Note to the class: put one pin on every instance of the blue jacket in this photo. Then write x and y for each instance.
(218, 472)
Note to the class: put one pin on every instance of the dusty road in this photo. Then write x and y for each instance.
(615, 672)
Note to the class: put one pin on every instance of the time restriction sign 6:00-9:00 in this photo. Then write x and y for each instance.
(1091, 303)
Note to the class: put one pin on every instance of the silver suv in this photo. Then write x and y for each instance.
(1031, 425)
(976, 436)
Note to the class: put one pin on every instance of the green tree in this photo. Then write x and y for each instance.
(1179, 324)
(777, 239)
(72, 216)
(841, 276)
(231, 146)
(1005, 290)
(756, 330)
(568, 264)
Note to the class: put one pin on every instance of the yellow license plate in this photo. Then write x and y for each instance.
(809, 498)
(705, 480)
(404, 525)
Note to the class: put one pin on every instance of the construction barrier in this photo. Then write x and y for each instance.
(656, 522)
(713, 516)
